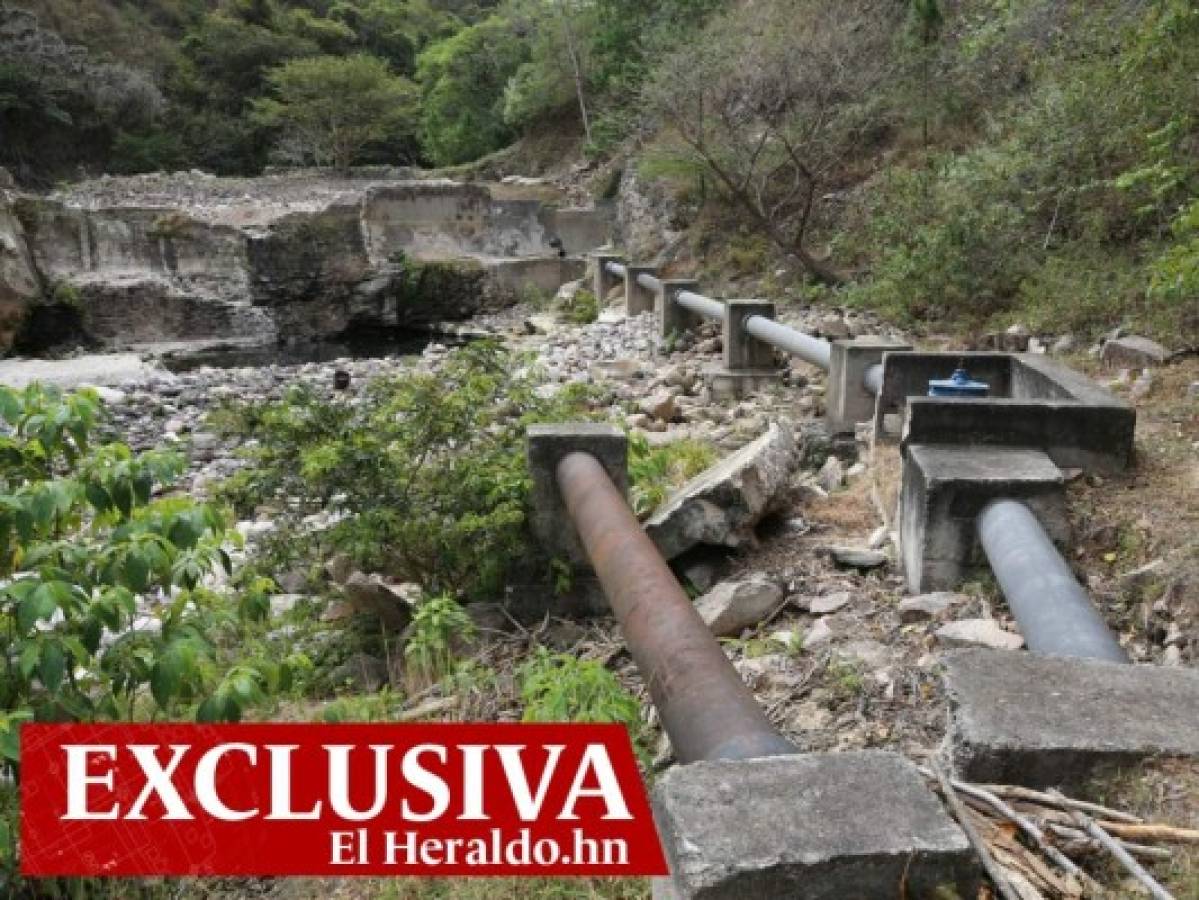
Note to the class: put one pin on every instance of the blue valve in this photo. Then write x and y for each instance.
(959, 384)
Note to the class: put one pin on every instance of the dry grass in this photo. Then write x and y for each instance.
(1165, 791)
(849, 511)
(422, 889)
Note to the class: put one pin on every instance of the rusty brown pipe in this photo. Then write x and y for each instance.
(704, 706)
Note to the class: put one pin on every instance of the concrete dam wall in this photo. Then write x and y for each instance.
(133, 261)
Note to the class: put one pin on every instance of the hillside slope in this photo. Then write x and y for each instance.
(957, 165)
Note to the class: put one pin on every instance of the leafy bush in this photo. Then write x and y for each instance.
(556, 687)
(581, 309)
(430, 464)
(1174, 286)
(438, 626)
(952, 239)
(464, 78)
(81, 535)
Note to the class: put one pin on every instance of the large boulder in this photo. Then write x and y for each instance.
(732, 606)
(392, 603)
(722, 505)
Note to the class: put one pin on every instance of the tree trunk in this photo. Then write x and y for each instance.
(576, 64)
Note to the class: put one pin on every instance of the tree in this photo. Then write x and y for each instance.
(555, 74)
(464, 79)
(926, 20)
(58, 104)
(778, 100)
(330, 109)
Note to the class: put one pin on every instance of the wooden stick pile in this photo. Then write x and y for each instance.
(1028, 840)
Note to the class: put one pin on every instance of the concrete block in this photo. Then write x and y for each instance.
(546, 445)
(546, 274)
(580, 229)
(602, 280)
(672, 318)
(849, 402)
(728, 384)
(638, 299)
(946, 486)
(743, 351)
(1034, 402)
(1019, 718)
(823, 825)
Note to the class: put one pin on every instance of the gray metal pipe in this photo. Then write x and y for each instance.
(1054, 612)
(649, 282)
(702, 702)
(872, 379)
(810, 349)
(698, 303)
(616, 269)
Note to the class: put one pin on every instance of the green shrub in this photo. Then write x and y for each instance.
(1173, 295)
(581, 309)
(439, 625)
(952, 242)
(556, 687)
(463, 78)
(81, 535)
(431, 466)
(655, 472)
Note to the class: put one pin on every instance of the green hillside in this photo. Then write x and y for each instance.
(960, 163)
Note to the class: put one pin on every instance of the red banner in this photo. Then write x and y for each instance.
(290, 799)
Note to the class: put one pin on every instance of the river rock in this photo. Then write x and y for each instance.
(731, 607)
(978, 633)
(831, 475)
(1133, 352)
(339, 567)
(1065, 344)
(722, 505)
(819, 634)
(661, 405)
(371, 594)
(927, 607)
(829, 603)
(833, 327)
(361, 673)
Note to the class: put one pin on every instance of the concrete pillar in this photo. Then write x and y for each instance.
(545, 447)
(944, 489)
(848, 400)
(638, 299)
(742, 351)
(602, 280)
(672, 318)
(853, 824)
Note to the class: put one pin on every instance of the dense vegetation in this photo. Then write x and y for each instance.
(229, 87)
(961, 162)
(124, 599)
(84, 532)
(427, 474)
(966, 164)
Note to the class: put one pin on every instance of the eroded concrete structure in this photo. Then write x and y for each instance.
(819, 825)
(1019, 718)
(167, 258)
